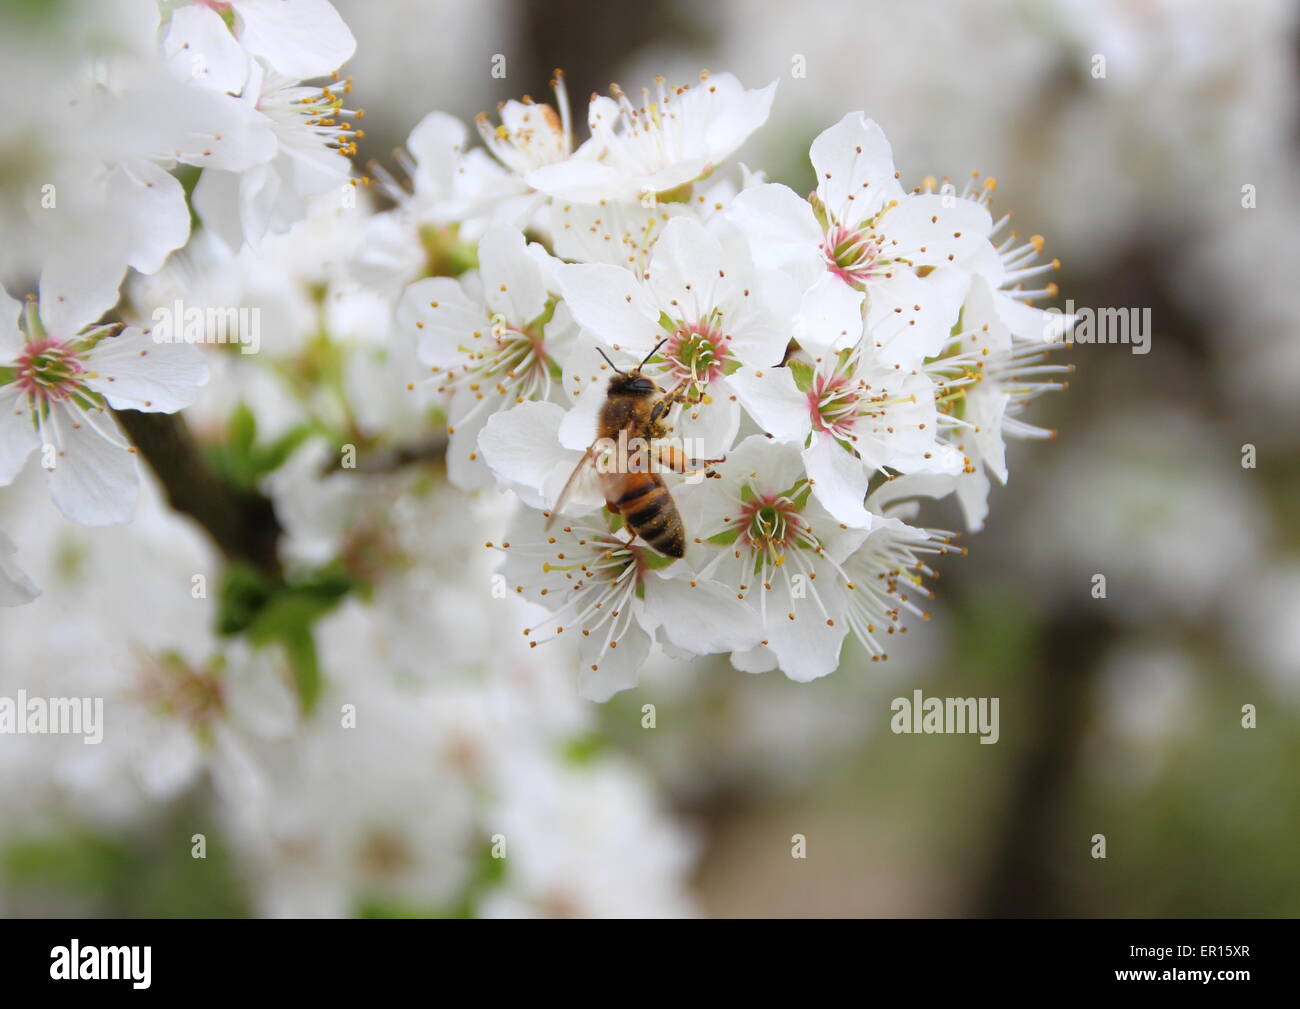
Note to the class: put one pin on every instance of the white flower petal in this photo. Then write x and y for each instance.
(781, 229)
(522, 448)
(927, 232)
(839, 481)
(198, 45)
(149, 203)
(512, 281)
(617, 669)
(855, 169)
(443, 318)
(1029, 323)
(985, 409)
(771, 397)
(889, 497)
(973, 496)
(609, 303)
(910, 318)
(830, 315)
(436, 144)
(704, 617)
(238, 206)
(736, 111)
(17, 435)
(11, 337)
(806, 647)
(713, 432)
(759, 659)
(465, 466)
(93, 482)
(299, 38)
(132, 372)
(578, 428)
(686, 263)
(76, 290)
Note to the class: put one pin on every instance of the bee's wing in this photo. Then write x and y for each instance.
(583, 474)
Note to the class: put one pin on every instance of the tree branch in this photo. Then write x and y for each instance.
(1022, 877)
(241, 523)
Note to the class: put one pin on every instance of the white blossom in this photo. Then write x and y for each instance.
(61, 375)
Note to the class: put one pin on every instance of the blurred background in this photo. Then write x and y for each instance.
(1120, 716)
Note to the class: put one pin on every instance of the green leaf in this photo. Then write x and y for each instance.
(241, 460)
(268, 458)
(242, 595)
(282, 613)
(726, 537)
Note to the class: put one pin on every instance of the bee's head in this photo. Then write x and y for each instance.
(632, 383)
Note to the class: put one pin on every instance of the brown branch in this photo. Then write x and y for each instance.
(399, 457)
(1022, 877)
(241, 523)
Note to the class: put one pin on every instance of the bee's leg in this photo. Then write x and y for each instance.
(680, 393)
(676, 460)
(664, 405)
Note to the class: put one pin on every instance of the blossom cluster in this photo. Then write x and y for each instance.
(832, 357)
(213, 94)
(366, 742)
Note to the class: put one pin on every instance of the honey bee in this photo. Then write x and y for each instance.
(634, 412)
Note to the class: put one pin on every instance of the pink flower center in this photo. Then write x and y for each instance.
(851, 255)
(698, 352)
(49, 370)
(770, 524)
(195, 695)
(833, 405)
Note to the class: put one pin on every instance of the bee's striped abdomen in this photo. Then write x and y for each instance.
(649, 511)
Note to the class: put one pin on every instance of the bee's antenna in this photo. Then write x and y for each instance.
(611, 363)
(653, 352)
